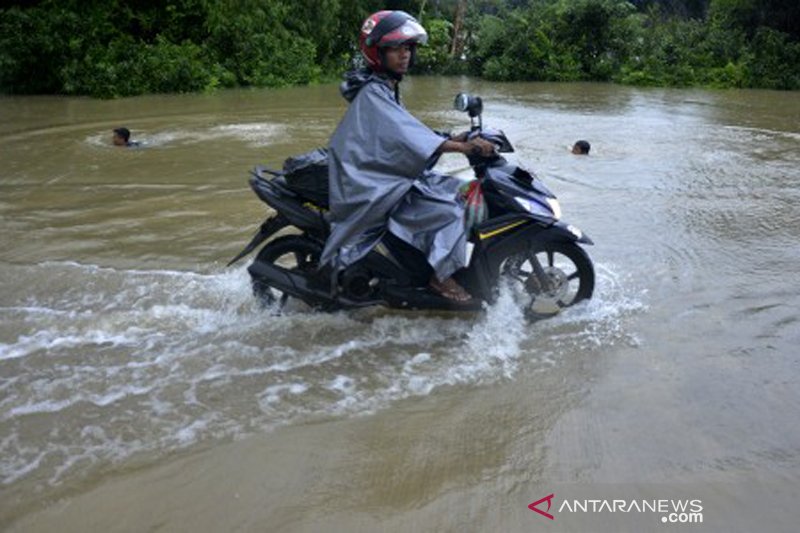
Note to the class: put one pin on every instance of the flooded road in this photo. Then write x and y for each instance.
(141, 388)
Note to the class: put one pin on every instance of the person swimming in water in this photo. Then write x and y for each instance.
(581, 148)
(122, 137)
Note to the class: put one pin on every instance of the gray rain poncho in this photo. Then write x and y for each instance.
(378, 181)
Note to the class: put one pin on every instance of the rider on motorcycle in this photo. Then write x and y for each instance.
(379, 153)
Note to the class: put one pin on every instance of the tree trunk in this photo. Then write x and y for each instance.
(457, 45)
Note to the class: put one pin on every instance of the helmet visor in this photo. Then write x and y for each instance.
(410, 32)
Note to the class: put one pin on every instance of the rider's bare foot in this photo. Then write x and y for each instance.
(450, 289)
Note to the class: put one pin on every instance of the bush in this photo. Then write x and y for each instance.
(116, 48)
(254, 46)
(126, 68)
(435, 56)
(556, 41)
(34, 47)
(774, 62)
(110, 49)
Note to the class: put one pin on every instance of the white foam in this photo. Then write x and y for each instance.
(254, 133)
(417, 360)
(274, 393)
(497, 338)
(257, 134)
(45, 406)
(186, 356)
(342, 384)
(420, 385)
(48, 340)
(788, 134)
(11, 472)
(189, 434)
(115, 394)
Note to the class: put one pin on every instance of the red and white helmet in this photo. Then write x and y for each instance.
(385, 29)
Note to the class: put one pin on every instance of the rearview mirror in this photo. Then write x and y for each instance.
(471, 104)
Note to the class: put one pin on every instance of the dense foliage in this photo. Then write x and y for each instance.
(721, 43)
(114, 48)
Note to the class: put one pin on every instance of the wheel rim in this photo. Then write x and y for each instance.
(563, 287)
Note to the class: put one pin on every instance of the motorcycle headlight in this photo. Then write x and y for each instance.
(534, 207)
(555, 206)
(524, 203)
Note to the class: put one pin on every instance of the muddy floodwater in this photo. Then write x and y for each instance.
(142, 389)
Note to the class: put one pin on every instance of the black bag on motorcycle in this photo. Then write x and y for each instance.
(307, 175)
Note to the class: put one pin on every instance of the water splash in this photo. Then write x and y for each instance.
(157, 360)
(255, 134)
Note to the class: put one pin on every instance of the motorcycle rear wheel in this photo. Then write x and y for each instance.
(568, 271)
(291, 252)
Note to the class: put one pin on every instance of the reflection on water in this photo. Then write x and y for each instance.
(123, 339)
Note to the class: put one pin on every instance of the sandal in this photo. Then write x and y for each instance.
(450, 289)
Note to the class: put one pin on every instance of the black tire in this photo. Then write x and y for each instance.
(569, 271)
(292, 252)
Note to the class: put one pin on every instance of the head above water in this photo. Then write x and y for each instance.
(388, 42)
(581, 148)
(121, 136)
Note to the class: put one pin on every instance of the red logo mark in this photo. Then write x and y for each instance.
(549, 499)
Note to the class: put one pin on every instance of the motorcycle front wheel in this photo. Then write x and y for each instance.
(556, 275)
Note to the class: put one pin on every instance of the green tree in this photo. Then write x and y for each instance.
(436, 55)
(117, 48)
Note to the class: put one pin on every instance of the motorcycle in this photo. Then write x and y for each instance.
(523, 239)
